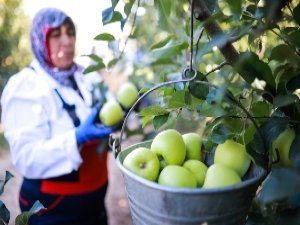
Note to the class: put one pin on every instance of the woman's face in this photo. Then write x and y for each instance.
(62, 46)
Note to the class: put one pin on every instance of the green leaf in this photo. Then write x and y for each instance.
(165, 61)
(236, 7)
(216, 95)
(260, 109)
(170, 50)
(123, 22)
(220, 133)
(105, 37)
(283, 78)
(128, 7)
(284, 100)
(4, 213)
(284, 53)
(199, 90)
(153, 110)
(112, 62)
(248, 134)
(162, 42)
(164, 10)
(212, 110)
(294, 153)
(146, 120)
(213, 107)
(144, 90)
(8, 176)
(261, 144)
(218, 40)
(93, 68)
(158, 121)
(289, 30)
(296, 14)
(212, 5)
(294, 83)
(114, 3)
(179, 100)
(111, 16)
(95, 58)
(294, 38)
(279, 185)
(251, 67)
(107, 15)
(23, 218)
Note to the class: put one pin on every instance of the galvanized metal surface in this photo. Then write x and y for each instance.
(154, 204)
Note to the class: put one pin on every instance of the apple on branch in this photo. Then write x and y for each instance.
(127, 94)
(111, 113)
(142, 162)
(283, 144)
(170, 148)
(177, 176)
(233, 155)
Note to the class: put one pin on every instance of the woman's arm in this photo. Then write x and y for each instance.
(41, 136)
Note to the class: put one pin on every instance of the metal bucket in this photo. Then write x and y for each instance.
(154, 204)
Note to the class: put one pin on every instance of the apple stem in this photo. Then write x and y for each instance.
(142, 165)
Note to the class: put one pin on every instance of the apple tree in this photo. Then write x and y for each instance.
(233, 69)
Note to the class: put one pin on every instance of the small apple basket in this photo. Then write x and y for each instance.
(152, 203)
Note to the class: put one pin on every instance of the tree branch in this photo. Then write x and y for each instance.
(202, 13)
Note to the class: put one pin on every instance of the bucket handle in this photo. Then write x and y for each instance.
(115, 143)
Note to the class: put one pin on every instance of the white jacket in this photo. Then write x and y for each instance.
(40, 133)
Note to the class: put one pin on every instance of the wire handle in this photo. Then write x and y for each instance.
(115, 143)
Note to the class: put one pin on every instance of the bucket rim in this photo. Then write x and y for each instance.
(154, 185)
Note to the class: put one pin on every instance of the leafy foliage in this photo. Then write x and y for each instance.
(14, 52)
(246, 55)
(4, 212)
(23, 218)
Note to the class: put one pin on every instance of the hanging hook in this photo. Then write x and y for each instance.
(192, 35)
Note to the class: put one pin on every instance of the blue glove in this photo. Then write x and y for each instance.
(88, 130)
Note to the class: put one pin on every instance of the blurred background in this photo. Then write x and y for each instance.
(15, 53)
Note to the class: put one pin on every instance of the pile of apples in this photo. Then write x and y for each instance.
(175, 160)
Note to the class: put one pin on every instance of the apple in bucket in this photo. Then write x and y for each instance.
(142, 162)
(177, 176)
(234, 155)
(193, 145)
(170, 148)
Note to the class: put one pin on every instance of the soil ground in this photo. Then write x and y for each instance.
(116, 201)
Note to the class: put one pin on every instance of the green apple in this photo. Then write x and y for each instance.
(193, 146)
(169, 146)
(283, 144)
(111, 113)
(233, 155)
(219, 175)
(198, 168)
(177, 176)
(127, 94)
(142, 162)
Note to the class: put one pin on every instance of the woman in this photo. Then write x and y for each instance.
(49, 123)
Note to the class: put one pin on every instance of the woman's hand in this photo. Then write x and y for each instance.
(90, 130)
